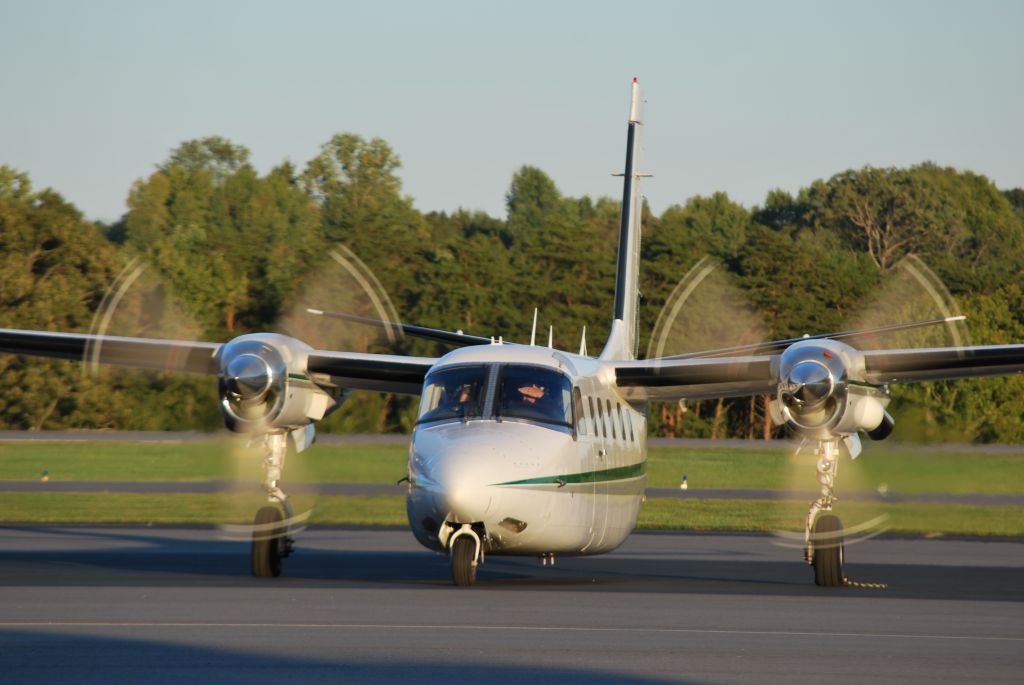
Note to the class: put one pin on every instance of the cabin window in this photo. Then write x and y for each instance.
(611, 418)
(593, 416)
(534, 393)
(453, 393)
(581, 419)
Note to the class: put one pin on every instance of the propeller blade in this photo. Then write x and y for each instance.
(774, 346)
(435, 334)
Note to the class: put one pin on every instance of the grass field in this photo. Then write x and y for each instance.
(900, 471)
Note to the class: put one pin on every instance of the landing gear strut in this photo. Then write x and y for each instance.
(823, 534)
(270, 540)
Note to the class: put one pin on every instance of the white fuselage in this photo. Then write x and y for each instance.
(529, 486)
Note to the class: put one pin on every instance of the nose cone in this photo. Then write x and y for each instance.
(456, 474)
(459, 484)
(468, 498)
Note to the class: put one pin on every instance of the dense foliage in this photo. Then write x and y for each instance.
(211, 248)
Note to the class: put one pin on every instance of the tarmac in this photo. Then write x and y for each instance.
(84, 604)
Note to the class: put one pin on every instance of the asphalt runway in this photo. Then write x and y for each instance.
(162, 605)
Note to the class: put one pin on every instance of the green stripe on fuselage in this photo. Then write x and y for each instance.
(620, 473)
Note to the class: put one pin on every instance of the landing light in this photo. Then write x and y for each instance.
(513, 525)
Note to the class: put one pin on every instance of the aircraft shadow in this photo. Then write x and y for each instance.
(183, 561)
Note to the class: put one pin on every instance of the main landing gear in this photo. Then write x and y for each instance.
(823, 532)
(270, 539)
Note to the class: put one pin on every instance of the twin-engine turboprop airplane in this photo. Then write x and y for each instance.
(524, 449)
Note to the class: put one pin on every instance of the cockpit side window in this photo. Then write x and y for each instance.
(534, 393)
(453, 393)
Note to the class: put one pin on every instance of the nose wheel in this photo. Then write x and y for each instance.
(463, 558)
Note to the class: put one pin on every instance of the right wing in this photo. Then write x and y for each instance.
(140, 353)
(350, 370)
(380, 372)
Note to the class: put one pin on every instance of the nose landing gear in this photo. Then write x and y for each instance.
(462, 555)
(466, 552)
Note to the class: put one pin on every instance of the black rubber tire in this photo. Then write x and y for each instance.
(828, 552)
(266, 545)
(462, 557)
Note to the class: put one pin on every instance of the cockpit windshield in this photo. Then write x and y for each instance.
(534, 393)
(453, 393)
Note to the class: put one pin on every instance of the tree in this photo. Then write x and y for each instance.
(887, 213)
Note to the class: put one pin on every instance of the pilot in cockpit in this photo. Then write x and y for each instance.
(531, 394)
(460, 398)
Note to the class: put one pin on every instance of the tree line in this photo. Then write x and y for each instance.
(211, 248)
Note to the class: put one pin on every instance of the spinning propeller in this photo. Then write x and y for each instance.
(264, 381)
(824, 390)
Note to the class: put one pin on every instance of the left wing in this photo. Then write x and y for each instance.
(674, 379)
(736, 376)
(942, 363)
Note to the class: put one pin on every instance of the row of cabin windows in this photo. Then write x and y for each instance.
(605, 421)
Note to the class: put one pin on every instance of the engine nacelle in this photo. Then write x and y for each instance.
(264, 385)
(819, 397)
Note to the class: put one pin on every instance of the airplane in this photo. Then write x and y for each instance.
(526, 449)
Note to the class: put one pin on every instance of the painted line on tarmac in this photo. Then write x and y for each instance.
(578, 629)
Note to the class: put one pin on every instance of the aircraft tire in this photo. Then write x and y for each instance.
(828, 552)
(266, 546)
(463, 568)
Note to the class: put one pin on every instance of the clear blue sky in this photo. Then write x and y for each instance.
(742, 97)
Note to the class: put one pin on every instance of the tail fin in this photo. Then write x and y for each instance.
(623, 340)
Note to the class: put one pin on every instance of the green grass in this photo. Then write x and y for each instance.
(196, 461)
(907, 471)
(775, 515)
(76, 507)
(902, 470)
(702, 515)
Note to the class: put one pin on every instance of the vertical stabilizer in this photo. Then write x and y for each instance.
(622, 342)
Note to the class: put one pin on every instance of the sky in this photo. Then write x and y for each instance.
(741, 97)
